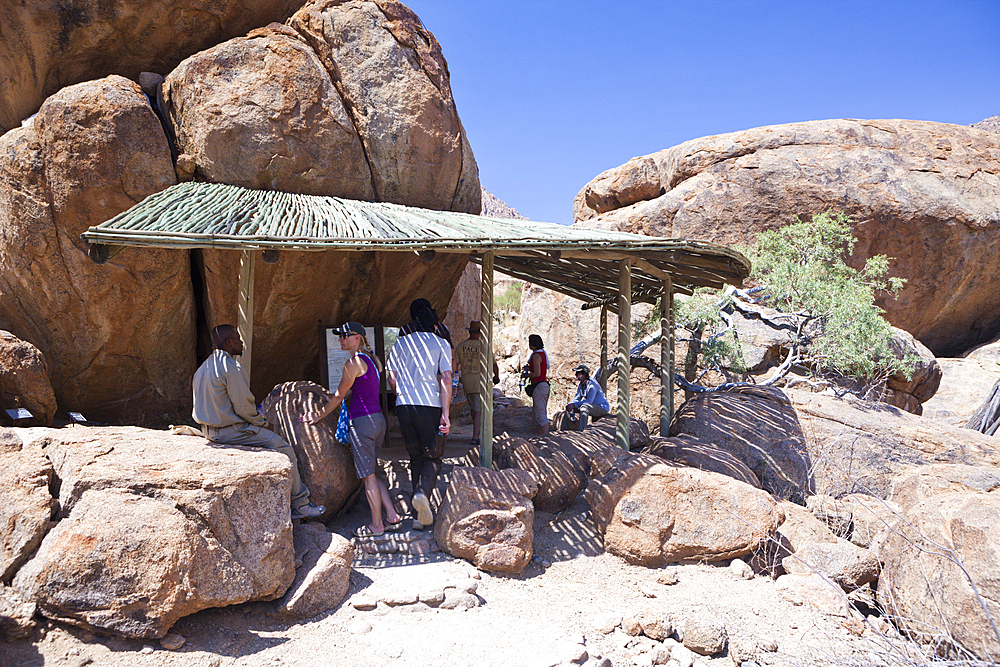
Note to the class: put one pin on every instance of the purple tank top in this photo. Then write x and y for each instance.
(364, 392)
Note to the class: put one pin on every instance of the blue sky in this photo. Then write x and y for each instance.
(552, 93)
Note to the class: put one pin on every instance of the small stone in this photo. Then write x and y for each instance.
(768, 644)
(660, 655)
(419, 548)
(655, 624)
(667, 577)
(360, 627)
(740, 569)
(147, 649)
(363, 603)
(399, 598)
(646, 593)
(388, 547)
(475, 575)
(643, 660)
(704, 635)
(456, 599)
(683, 655)
(599, 662)
(464, 585)
(173, 641)
(631, 626)
(607, 624)
(432, 598)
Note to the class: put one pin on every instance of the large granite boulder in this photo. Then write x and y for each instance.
(322, 574)
(916, 191)
(49, 45)
(651, 513)
(326, 466)
(940, 577)
(560, 479)
(394, 82)
(842, 562)
(118, 337)
(965, 384)
(856, 446)
(24, 381)
(487, 517)
(689, 451)
(27, 506)
(262, 112)
(913, 485)
(757, 425)
(209, 526)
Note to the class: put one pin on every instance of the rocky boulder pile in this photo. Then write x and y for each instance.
(349, 100)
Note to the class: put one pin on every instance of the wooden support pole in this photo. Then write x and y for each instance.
(666, 356)
(624, 347)
(604, 349)
(485, 368)
(244, 309)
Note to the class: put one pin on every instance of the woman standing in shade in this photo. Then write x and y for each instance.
(537, 370)
(361, 380)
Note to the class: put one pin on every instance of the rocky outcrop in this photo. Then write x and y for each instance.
(965, 384)
(261, 112)
(118, 338)
(24, 381)
(203, 525)
(322, 573)
(940, 575)
(487, 517)
(404, 114)
(346, 99)
(917, 191)
(757, 425)
(847, 565)
(688, 451)
(27, 506)
(326, 466)
(47, 46)
(652, 514)
(559, 479)
(856, 446)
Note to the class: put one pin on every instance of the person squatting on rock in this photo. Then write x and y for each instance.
(360, 381)
(589, 401)
(228, 414)
(419, 371)
(536, 371)
(467, 361)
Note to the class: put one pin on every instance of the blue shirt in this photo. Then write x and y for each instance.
(590, 392)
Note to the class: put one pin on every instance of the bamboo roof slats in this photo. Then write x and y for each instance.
(580, 262)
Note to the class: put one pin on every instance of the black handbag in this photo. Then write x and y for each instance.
(530, 388)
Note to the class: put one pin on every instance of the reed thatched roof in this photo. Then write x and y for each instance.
(582, 263)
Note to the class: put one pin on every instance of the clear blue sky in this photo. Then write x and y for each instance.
(552, 93)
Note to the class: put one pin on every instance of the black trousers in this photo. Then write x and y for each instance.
(419, 425)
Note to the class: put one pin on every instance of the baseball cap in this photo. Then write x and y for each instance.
(582, 368)
(349, 328)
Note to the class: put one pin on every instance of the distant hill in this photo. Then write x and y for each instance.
(991, 124)
(495, 208)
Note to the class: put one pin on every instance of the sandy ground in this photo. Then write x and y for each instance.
(558, 610)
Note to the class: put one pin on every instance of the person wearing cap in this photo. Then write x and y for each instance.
(467, 361)
(228, 414)
(589, 401)
(419, 371)
(361, 380)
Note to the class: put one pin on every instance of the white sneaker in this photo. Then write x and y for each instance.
(423, 507)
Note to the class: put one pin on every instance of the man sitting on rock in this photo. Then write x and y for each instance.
(589, 401)
(228, 414)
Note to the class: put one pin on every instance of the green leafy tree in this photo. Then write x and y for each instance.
(802, 269)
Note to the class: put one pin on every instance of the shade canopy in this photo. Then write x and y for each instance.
(579, 262)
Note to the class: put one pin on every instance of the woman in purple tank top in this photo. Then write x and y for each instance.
(361, 380)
